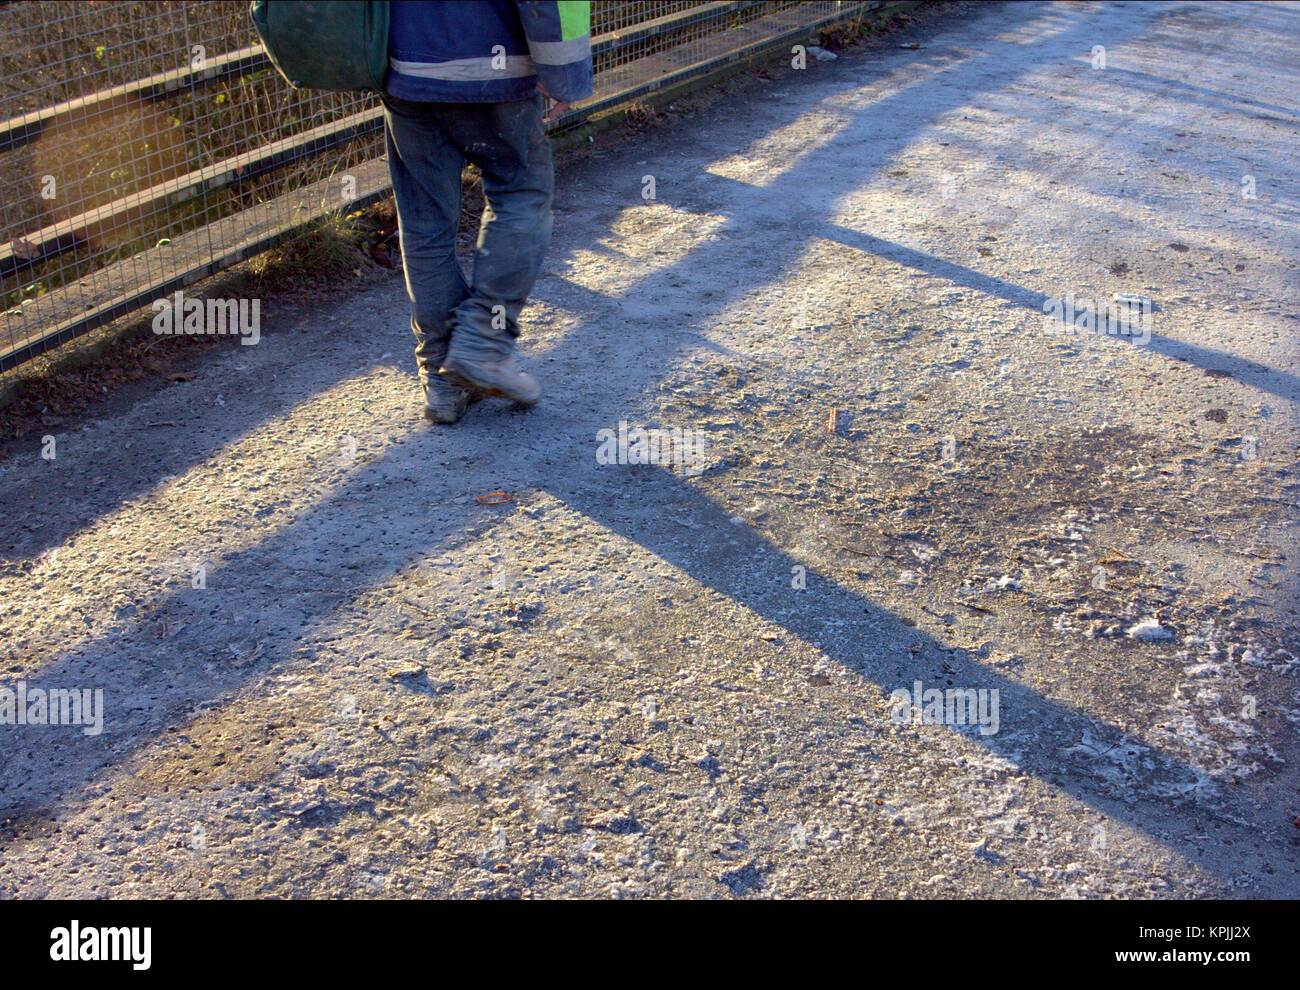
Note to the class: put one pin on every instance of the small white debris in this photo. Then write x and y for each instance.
(1125, 299)
(798, 838)
(1005, 583)
(821, 54)
(1149, 631)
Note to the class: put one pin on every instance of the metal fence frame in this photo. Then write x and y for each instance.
(631, 65)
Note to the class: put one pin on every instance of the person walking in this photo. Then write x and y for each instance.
(467, 82)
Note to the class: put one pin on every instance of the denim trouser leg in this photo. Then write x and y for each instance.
(508, 142)
(514, 154)
(425, 170)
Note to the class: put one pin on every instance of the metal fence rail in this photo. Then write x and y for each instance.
(147, 145)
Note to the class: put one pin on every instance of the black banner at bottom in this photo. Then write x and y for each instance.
(144, 939)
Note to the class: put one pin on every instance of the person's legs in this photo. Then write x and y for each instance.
(508, 142)
(425, 168)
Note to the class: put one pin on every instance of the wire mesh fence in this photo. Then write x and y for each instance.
(146, 145)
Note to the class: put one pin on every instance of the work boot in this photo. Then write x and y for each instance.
(501, 377)
(445, 402)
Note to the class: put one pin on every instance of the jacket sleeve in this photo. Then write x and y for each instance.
(559, 41)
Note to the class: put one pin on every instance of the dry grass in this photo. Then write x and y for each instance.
(845, 35)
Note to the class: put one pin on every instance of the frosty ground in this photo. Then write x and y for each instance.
(639, 680)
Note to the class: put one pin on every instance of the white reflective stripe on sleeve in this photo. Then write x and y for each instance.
(467, 69)
(561, 52)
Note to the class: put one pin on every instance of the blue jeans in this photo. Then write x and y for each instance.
(428, 145)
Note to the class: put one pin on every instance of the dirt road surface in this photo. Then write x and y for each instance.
(329, 669)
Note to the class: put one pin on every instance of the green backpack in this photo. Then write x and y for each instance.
(325, 45)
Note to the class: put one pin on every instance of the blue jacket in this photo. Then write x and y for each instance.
(488, 51)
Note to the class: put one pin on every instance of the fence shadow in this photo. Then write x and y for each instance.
(38, 781)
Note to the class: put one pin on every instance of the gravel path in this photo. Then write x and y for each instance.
(649, 680)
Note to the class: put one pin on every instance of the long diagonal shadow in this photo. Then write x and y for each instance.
(737, 562)
(1212, 98)
(744, 199)
(741, 564)
(1281, 383)
(30, 793)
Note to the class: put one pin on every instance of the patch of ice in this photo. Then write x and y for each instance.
(1149, 631)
